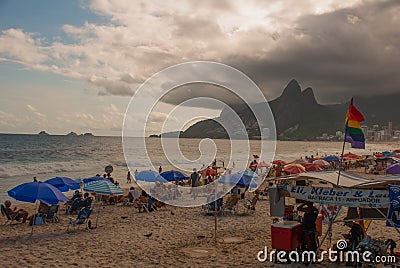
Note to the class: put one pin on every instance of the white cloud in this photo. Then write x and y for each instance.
(143, 37)
(8, 120)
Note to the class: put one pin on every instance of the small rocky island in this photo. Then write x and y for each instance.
(43, 133)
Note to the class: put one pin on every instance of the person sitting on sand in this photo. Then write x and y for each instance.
(142, 201)
(16, 214)
(134, 194)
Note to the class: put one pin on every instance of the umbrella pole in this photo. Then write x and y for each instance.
(215, 214)
(98, 213)
(34, 217)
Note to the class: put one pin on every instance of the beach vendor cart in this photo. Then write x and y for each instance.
(364, 200)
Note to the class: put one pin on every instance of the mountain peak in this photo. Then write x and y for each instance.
(308, 95)
(292, 89)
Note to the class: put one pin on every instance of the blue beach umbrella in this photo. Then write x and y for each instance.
(37, 191)
(95, 178)
(248, 173)
(173, 175)
(331, 158)
(235, 179)
(149, 176)
(103, 187)
(63, 184)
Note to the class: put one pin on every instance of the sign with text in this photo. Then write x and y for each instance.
(339, 197)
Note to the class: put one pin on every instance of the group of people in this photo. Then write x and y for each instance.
(142, 200)
(77, 202)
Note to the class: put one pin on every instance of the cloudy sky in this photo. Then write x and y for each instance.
(73, 65)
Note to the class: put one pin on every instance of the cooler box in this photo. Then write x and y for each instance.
(286, 235)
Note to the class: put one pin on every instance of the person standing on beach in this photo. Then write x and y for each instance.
(129, 177)
(160, 170)
(309, 226)
(195, 182)
(34, 179)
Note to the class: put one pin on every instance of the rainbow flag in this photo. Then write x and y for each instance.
(354, 133)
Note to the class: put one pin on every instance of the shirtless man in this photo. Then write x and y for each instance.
(16, 214)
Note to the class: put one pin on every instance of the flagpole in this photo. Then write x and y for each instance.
(341, 156)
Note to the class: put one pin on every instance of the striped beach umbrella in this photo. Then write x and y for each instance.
(103, 187)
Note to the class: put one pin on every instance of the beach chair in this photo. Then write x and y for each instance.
(52, 214)
(230, 204)
(81, 219)
(6, 215)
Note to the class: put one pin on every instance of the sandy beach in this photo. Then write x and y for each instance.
(183, 238)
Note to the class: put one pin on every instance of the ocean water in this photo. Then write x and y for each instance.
(25, 156)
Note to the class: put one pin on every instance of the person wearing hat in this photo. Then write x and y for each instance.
(355, 235)
(309, 226)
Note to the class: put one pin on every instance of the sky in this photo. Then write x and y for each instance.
(74, 65)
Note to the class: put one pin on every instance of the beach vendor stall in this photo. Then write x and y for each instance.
(364, 199)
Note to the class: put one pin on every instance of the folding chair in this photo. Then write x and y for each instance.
(51, 215)
(231, 204)
(81, 219)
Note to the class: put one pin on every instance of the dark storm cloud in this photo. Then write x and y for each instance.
(347, 52)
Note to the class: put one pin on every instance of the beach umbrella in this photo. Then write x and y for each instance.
(294, 169)
(331, 158)
(276, 162)
(235, 179)
(312, 167)
(208, 172)
(247, 173)
(95, 178)
(393, 169)
(103, 187)
(321, 163)
(173, 175)
(351, 156)
(37, 191)
(299, 161)
(260, 165)
(149, 176)
(63, 184)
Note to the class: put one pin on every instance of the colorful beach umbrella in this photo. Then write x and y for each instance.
(37, 191)
(321, 163)
(299, 161)
(173, 175)
(294, 169)
(63, 184)
(260, 165)
(149, 176)
(281, 162)
(208, 172)
(312, 167)
(103, 187)
(351, 156)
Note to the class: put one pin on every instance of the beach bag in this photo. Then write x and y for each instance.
(39, 220)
